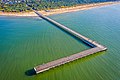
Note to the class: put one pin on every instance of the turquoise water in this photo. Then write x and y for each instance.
(27, 42)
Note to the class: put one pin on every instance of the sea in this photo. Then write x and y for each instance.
(26, 42)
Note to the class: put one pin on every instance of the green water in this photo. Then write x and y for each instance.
(27, 42)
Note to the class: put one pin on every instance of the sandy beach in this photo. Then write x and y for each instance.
(60, 10)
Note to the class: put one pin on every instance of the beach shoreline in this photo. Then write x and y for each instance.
(58, 11)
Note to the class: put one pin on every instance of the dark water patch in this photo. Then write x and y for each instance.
(30, 72)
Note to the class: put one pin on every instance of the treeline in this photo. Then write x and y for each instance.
(46, 5)
(18, 7)
(80, 1)
(43, 4)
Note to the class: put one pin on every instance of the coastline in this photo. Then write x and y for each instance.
(58, 11)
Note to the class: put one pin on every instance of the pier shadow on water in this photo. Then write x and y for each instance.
(30, 72)
(73, 36)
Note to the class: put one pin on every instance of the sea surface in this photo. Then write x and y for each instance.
(27, 42)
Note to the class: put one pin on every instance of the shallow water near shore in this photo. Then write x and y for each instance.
(27, 42)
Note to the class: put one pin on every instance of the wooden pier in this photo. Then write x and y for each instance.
(96, 47)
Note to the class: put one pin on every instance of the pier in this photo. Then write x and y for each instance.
(96, 47)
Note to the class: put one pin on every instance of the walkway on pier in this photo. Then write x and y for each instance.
(83, 38)
(96, 48)
(58, 62)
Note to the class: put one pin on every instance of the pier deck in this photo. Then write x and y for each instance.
(96, 47)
